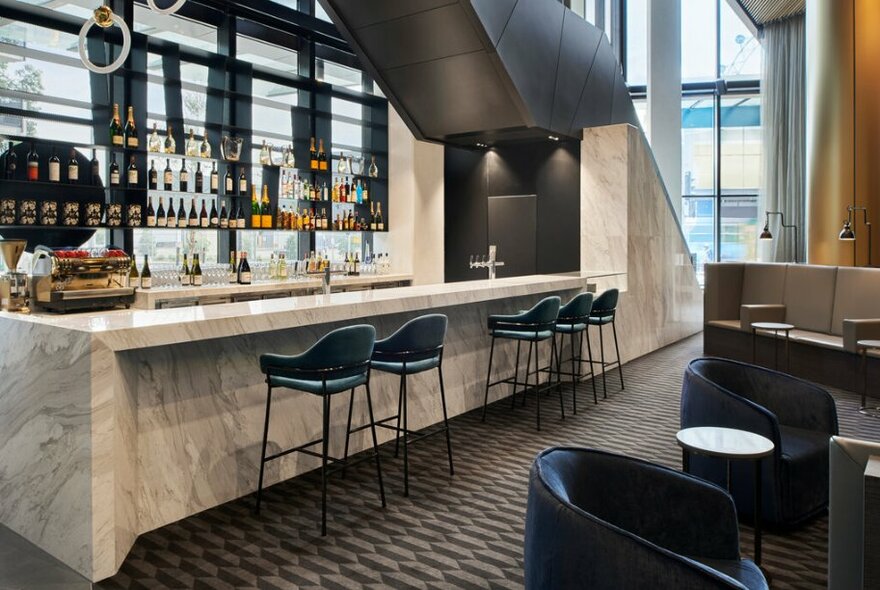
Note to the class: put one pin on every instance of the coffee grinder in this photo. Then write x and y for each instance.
(13, 284)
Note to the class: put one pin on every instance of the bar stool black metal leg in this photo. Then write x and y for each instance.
(602, 358)
(445, 419)
(558, 354)
(488, 379)
(758, 509)
(347, 432)
(537, 395)
(324, 452)
(575, 377)
(265, 442)
(399, 409)
(617, 350)
(515, 376)
(528, 369)
(375, 443)
(405, 439)
(586, 334)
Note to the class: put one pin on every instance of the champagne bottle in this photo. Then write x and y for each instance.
(229, 184)
(168, 177)
(242, 183)
(200, 179)
(204, 220)
(161, 216)
(131, 135)
(196, 272)
(134, 276)
(170, 144)
(184, 177)
(372, 218)
(322, 157)
(181, 215)
(215, 180)
(114, 171)
(117, 138)
(185, 275)
(73, 168)
(266, 209)
(256, 218)
(313, 156)
(146, 275)
(154, 176)
(244, 270)
(95, 167)
(214, 217)
(151, 214)
(54, 167)
(133, 177)
(193, 217)
(380, 223)
(224, 217)
(33, 164)
(11, 163)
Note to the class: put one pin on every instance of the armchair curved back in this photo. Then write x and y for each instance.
(600, 520)
(576, 311)
(418, 339)
(344, 352)
(540, 317)
(606, 303)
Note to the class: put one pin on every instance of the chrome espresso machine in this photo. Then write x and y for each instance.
(13, 284)
(68, 279)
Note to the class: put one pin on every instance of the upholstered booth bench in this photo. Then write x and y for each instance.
(831, 307)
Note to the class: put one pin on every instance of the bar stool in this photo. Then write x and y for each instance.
(415, 347)
(533, 326)
(338, 362)
(605, 312)
(573, 319)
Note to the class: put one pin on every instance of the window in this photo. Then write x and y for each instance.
(698, 35)
(741, 154)
(184, 32)
(267, 55)
(741, 53)
(636, 42)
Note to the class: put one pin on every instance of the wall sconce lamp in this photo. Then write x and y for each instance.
(766, 235)
(847, 234)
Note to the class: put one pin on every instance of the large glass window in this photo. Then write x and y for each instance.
(637, 42)
(740, 52)
(698, 36)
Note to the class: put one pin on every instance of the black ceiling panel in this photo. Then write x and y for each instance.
(361, 13)
(494, 15)
(623, 110)
(595, 104)
(576, 54)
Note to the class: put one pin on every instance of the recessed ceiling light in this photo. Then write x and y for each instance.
(553, 137)
(481, 145)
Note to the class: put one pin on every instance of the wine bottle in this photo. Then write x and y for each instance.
(168, 176)
(200, 178)
(54, 167)
(215, 180)
(161, 216)
(95, 166)
(256, 219)
(282, 267)
(240, 218)
(171, 216)
(146, 275)
(193, 217)
(133, 178)
(233, 267)
(33, 164)
(151, 214)
(170, 144)
(266, 209)
(313, 156)
(273, 267)
(185, 275)
(244, 270)
(196, 272)
(181, 215)
(11, 162)
(73, 168)
(322, 157)
(154, 176)
(131, 136)
(242, 184)
(229, 184)
(224, 217)
(114, 171)
(134, 276)
(117, 138)
(214, 217)
(184, 177)
(204, 220)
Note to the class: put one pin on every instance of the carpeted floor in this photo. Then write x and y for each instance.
(464, 531)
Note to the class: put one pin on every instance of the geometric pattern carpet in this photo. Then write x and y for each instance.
(464, 531)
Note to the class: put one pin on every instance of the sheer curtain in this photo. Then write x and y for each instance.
(783, 90)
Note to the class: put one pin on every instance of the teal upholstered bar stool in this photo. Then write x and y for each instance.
(338, 362)
(532, 326)
(574, 317)
(415, 347)
(604, 313)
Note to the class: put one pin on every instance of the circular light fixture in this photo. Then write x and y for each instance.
(104, 18)
(170, 10)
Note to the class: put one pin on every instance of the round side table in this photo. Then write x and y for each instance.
(732, 445)
(776, 328)
(864, 346)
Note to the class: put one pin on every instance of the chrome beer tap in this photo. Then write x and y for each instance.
(487, 262)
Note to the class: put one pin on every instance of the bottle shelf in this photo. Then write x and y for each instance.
(45, 184)
(153, 228)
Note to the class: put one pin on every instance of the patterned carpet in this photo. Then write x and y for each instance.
(464, 531)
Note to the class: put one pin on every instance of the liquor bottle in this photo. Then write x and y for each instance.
(242, 184)
(359, 191)
(192, 146)
(337, 223)
(114, 171)
(182, 220)
(224, 217)
(193, 218)
(266, 209)
(204, 220)
(214, 219)
(184, 177)
(265, 154)
(117, 138)
(322, 157)
(54, 167)
(134, 276)
(154, 176)
(325, 192)
(196, 272)
(131, 134)
(351, 221)
(154, 142)
(146, 275)
(170, 144)
(205, 147)
(380, 223)
(349, 192)
(372, 218)
(95, 167)
(33, 164)
(171, 216)
(343, 196)
(168, 176)
(185, 275)
(334, 192)
(341, 166)
(313, 156)
(374, 170)
(11, 163)
(244, 270)
(290, 158)
(200, 178)
(73, 168)
(306, 222)
(151, 214)
(324, 222)
(239, 218)
(229, 184)
(233, 267)
(366, 193)
(273, 267)
(215, 180)
(161, 215)
(133, 176)
(256, 214)
(282, 267)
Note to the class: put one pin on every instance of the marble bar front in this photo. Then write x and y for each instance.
(120, 422)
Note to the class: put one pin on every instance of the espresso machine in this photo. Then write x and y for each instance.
(13, 284)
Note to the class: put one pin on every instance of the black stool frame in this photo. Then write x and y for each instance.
(577, 359)
(314, 374)
(605, 313)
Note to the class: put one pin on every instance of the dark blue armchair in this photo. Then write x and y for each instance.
(607, 522)
(798, 416)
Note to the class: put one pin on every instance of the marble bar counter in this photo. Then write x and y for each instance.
(163, 298)
(116, 423)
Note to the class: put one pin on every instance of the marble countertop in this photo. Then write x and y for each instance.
(134, 329)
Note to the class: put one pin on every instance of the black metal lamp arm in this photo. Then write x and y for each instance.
(852, 209)
(767, 215)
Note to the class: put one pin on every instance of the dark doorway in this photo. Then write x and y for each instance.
(513, 228)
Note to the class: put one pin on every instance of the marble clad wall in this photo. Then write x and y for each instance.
(628, 225)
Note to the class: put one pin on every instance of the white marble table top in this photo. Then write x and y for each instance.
(868, 343)
(727, 443)
(772, 326)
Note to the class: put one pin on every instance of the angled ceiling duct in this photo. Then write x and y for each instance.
(485, 71)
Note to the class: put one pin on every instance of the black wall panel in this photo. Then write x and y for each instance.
(549, 170)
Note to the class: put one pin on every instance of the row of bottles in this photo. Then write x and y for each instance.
(224, 219)
(181, 178)
(311, 220)
(56, 170)
(343, 190)
(123, 137)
